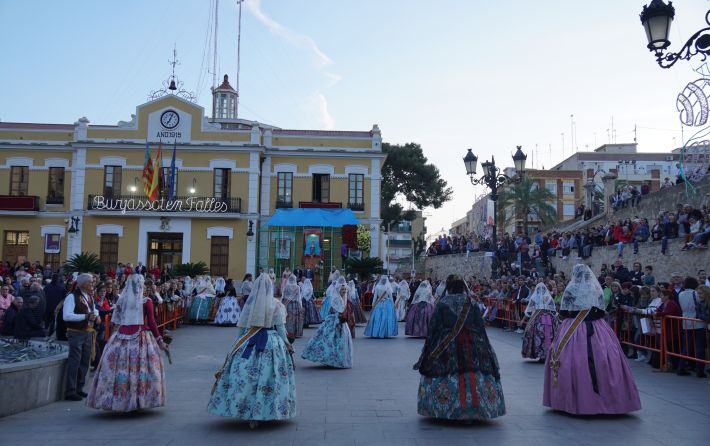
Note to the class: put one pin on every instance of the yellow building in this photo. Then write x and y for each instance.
(68, 188)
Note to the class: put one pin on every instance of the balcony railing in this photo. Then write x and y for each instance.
(284, 204)
(136, 203)
(55, 200)
(356, 206)
(19, 203)
(318, 204)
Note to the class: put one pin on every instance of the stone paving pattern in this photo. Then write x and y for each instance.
(373, 403)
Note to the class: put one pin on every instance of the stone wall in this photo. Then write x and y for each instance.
(475, 264)
(685, 262)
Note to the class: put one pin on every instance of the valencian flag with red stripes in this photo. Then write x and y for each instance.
(147, 171)
(155, 180)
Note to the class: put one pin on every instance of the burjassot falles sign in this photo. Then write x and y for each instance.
(189, 204)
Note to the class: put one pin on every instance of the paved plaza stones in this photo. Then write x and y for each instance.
(374, 403)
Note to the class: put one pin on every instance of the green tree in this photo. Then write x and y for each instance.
(85, 262)
(407, 174)
(525, 198)
(191, 269)
(364, 267)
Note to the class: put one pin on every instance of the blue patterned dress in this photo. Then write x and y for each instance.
(261, 386)
(332, 344)
(460, 379)
(383, 320)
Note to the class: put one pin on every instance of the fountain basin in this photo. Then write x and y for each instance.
(33, 383)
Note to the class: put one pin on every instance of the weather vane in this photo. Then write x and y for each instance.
(173, 85)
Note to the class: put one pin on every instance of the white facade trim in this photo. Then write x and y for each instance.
(153, 224)
(285, 167)
(109, 229)
(223, 164)
(353, 168)
(52, 229)
(56, 162)
(220, 231)
(19, 161)
(266, 187)
(375, 180)
(112, 161)
(321, 169)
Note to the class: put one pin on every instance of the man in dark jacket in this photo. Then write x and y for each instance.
(27, 325)
(10, 316)
(621, 273)
(54, 293)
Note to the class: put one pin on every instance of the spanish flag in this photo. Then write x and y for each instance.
(155, 180)
(147, 171)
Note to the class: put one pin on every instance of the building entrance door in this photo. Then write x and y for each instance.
(164, 249)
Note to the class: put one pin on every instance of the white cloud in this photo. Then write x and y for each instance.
(326, 119)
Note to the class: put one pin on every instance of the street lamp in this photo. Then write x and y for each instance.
(493, 179)
(250, 232)
(656, 18)
(74, 228)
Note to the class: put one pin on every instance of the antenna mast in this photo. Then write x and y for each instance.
(239, 47)
(214, 57)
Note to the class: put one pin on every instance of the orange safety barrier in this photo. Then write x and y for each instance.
(686, 340)
(641, 332)
(508, 311)
(166, 314)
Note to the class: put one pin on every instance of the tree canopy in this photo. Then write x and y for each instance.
(526, 198)
(408, 174)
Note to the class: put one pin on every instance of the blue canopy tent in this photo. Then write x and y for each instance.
(326, 218)
(306, 237)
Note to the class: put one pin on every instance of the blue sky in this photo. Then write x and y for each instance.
(448, 74)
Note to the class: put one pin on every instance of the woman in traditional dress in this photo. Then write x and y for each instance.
(358, 314)
(294, 310)
(311, 315)
(219, 285)
(332, 344)
(541, 315)
(400, 304)
(383, 320)
(130, 375)
(257, 380)
(245, 289)
(284, 280)
(201, 304)
(419, 313)
(586, 371)
(228, 313)
(460, 378)
(325, 305)
(272, 276)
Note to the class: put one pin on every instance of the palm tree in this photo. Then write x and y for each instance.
(85, 262)
(525, 198)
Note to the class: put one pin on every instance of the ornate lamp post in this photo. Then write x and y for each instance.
(656, 19)
(493, 178)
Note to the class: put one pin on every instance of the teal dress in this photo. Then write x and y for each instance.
(200, 308)
(257, 382)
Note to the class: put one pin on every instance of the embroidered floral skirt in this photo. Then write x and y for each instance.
(228, 313)
(468, 396)
(294, 319)
(539, 334)
(358, 314)
(130, 375)
(311, 315)
(261, 387)
(332, 344)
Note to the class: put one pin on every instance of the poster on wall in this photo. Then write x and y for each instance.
(490, 213)
(283, 248)
(312, 241)
(52, 243)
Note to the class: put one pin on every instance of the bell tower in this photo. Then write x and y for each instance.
(224, 101)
